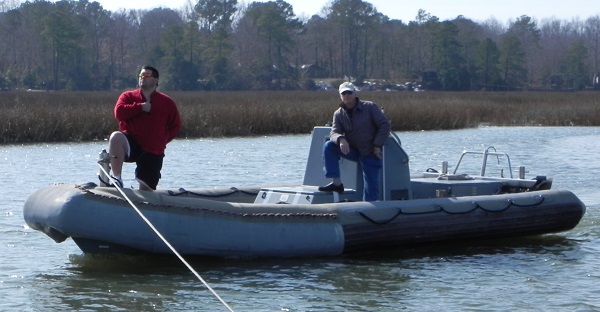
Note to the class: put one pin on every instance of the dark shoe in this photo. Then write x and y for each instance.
(332, 188)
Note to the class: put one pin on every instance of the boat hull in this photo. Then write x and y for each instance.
(100, 221)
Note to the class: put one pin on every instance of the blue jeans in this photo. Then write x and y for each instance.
(370, 167)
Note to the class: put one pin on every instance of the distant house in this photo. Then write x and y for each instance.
(312, 71)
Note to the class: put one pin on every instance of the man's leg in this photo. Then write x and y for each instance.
(144, 186)
(147, 172)
(118, 149)
(331, 154)
(371, 165)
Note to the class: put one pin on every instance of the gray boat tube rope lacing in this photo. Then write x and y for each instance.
(165, 241)
(233, 190)
(440, 208)
(312, 215)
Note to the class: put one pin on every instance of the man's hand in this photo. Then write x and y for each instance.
(146, 106)
(377, 151)
(344, 146)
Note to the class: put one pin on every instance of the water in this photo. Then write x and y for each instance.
(551, 272)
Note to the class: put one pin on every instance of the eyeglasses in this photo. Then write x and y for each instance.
(346, 92)
(147, 75)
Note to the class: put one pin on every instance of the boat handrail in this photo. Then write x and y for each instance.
(485, 154)
(395, 137)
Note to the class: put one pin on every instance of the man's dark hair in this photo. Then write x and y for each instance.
(154, 71)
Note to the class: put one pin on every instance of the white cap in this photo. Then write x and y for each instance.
(347, 86)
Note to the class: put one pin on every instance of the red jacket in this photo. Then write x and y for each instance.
(151, 130)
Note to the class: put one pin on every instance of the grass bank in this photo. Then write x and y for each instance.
(29, 117)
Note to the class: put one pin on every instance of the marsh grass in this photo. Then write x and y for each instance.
(29, 117)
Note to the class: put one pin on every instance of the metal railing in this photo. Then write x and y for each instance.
(485, 154)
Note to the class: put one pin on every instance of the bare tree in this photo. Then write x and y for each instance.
(592, 37)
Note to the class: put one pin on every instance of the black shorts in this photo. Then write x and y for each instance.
(148, 165)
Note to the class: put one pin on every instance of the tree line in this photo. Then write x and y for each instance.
(223, 45)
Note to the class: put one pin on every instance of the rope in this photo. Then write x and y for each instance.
(362, 214)
(241, 213)
(164, 240)
(440, 208)
(233, 190)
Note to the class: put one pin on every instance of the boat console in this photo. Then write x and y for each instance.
(395, 177)
(396, 181)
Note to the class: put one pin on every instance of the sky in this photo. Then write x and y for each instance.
(406, 10)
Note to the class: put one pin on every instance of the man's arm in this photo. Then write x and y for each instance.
(383, 127)
(127, 108)
(337, 132)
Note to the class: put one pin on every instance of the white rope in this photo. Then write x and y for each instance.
(164, 240)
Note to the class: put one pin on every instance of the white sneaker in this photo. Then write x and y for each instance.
(118, 182)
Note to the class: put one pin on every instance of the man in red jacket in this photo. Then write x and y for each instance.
(148, 120)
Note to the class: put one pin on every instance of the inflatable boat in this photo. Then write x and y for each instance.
(298, 220)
